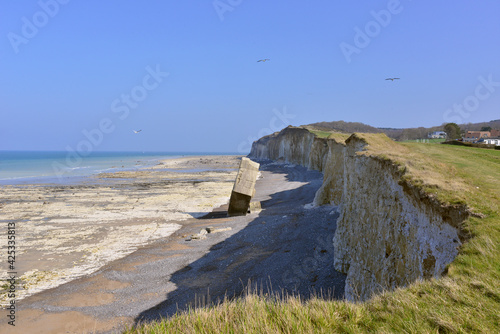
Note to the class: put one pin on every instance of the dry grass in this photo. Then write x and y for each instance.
(435, 177)
(335, 135)
(339, 137)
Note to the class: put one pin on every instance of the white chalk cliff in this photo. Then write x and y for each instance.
(389, 233)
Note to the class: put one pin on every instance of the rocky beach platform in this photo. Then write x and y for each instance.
(285, 248)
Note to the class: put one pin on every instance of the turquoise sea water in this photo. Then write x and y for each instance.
(22, 167)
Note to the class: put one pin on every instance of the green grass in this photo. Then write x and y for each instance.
(426, 141)
(321, 134)
(466, 300)
(335, 135)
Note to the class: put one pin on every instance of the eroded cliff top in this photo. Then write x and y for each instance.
(424, 171)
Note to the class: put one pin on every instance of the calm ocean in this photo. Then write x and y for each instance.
(23, 167)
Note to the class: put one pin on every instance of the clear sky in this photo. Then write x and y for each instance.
(79, 75)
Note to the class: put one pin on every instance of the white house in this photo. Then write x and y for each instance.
(494, 141)
(437, 134)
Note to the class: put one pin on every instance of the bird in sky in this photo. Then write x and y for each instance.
(392, 79)
(263, 60)
(137, 131)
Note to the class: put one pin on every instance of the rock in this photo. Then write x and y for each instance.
(198, 236)
(217, 230)
(244, 188)
(255, 207)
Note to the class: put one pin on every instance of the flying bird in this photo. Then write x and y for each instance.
(392, 79)
(263, 60)
(137, 131)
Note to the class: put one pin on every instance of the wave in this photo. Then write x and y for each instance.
(78, 168)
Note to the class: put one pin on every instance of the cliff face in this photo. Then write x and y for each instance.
(388, 234)
(289, 145)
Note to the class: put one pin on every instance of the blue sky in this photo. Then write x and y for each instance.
(83, 74)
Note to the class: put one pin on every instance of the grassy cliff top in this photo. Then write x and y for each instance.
(436, 178)
(337, 136)
(439, 169)
(466, 300)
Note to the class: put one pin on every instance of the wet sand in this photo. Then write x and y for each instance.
(64, 232)
(287, 247)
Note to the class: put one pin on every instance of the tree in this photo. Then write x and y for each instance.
(452, 131)
(486, 128)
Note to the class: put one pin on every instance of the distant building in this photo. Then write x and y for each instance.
(495, 133)
(473, 136)
(492, 140)
(437, 134)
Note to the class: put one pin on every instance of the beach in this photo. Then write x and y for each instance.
(65, 231)
(285, 248)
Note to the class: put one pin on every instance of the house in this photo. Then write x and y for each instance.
(492, 140)
(477, 134)
(437, 134)
(473, 136)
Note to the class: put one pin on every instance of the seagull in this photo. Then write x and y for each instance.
(392, 79)
(263, 60)
(137, 131)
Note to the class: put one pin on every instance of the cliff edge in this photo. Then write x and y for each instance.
(394, 227)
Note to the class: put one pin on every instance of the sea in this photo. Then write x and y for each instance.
(64, 234)
(63, 167)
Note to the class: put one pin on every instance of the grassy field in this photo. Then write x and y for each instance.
(321, 134)
(427, 140)
(466, 300)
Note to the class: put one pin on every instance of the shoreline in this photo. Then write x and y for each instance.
(286, 247)
(67, 231)
(70, 176)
